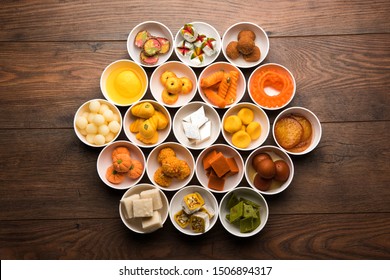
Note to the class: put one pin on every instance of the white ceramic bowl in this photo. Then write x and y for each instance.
(176, 206)
(180, 70)
(135, 224)
(156, 29)
(104, 161)
(188, 109)
(217, 66)
(87, 117)
(129, 118)
(231, 181)
(261, 41)
(249, 194)
(112, 71)
(259, 116)
(269, 93)
(181, 153)
(210, 32)
(276, 154)
(315, 125)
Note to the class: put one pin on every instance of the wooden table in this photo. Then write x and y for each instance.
(53, 204)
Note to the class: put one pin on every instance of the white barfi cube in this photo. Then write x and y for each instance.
(127, 204)
(152, 223)
(204, 133)
(143, 207)
(155, 195)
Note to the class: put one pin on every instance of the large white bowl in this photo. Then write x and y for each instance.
(209, 31)
(156, 29)
(84, 109)
(126, 65)
(181, 153)
(221, 65)
(231, 181)
(181, 70)
(176, 206)
(276, 154)
(186, 110)
(259, 116)
(261, 41)
(315, 124)
(134, 224)
(104, 161)
(129, 118)
(249, 194)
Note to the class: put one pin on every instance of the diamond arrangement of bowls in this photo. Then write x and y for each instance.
(196, 125)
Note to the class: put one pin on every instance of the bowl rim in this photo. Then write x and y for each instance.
(169, 144)
(149, 186)
(228, 65)
(319, 132)
(121, 142)
(128, 133)
(277, 65)
(210, 195)
(171, 38)
(224, 146)
(249, 65)
(82, 137)
(174, 62)
(244, 189)
(201, 103)
(289, 162)
(249, 104)
(106, 69)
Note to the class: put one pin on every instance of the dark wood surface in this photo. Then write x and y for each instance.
(52, 202)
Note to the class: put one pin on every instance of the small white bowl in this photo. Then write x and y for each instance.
(315, 125)
(270, 92)
(135, 224)
(188, 109)
(276, 154)
(210, 32)
(259, 116)
(84, 110)
(261, 41)
(231, 181)
(181, 153)
(162, 134)
(181, 70)
(241, 85)
(156, 29)
(176, 206)
(104, 161)
(115, 68)
(249, 194)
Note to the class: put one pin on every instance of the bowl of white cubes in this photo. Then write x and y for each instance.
(143, 208)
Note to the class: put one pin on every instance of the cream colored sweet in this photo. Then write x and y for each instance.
(143, 207)
(127, 203)
(197, 127)
(152, 223)
(154, 194)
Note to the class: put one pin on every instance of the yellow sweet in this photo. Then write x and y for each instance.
(254, 130)
(232, 124)
(135, 125)
(149, 141)
(148, 129)
(143, 110)
(241, 139)
(246, 115)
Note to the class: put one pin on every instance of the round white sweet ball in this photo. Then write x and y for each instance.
(114, 126)
(103, 108)
(99, 139)
(103, 129)
(94, 106)
(98, 119)
(81, 122)
(90, 138)
(91, 128)
(108, 115)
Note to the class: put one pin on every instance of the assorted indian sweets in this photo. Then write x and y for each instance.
(195, 46)
(98, 123)
(220, 87)
(174, 87)
(195, 213)
(245, 46)
(243, 213)
(151, 47)
(145, 207)
(243, 127)
(197, 127)
(293, 132)
(269, 171)
(149, 120)
(272, 86)
(218, 168)
(172, 168)
(123, 165)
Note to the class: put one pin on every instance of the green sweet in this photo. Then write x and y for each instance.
(246, 225)
(236, 212)
(233, 200)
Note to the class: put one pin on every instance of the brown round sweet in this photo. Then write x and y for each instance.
(266, 168)
(288, 132)
(253, 56)
(259, 157)
(232, 51)
(246, 33)
(282, 171)
(262, 183)
(245, 45)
